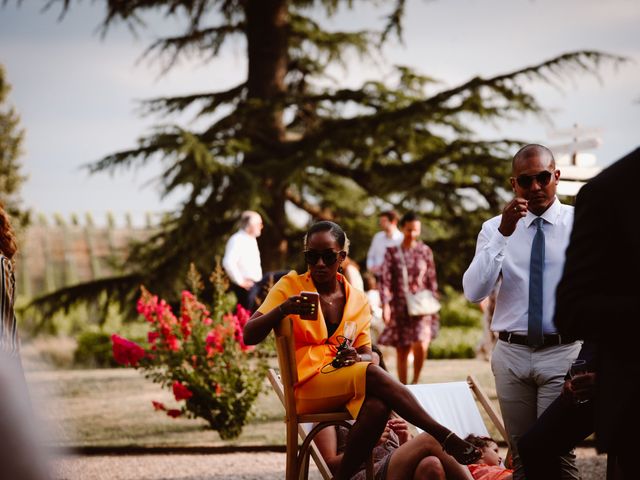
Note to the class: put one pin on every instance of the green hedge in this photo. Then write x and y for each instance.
(457, 311)
(94, 350)
(455, 342)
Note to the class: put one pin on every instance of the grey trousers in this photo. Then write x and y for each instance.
(527, 381)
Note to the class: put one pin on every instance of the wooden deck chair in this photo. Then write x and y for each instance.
(453, 405)
(298, 459)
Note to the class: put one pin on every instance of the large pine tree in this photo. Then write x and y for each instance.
(11, 138)
(282, 137)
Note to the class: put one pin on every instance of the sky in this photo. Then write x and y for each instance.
(78, 93)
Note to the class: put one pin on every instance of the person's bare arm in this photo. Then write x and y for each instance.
(327, 442)
(259, 325)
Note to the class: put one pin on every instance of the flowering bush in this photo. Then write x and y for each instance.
(200, 354)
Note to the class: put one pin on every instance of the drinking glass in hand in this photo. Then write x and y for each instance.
(578, 367)
(349, 331)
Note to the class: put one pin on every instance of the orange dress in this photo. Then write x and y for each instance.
(318, 392)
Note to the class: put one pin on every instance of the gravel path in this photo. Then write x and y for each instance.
(231, 466)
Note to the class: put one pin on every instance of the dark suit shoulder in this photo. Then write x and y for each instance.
(619, 172)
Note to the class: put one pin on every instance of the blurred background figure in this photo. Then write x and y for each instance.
(242, 263)
(241, 259)
(489, 337)
(408, 334)
(389, 236)
(373, 295)
(20, 456)
(351, 271)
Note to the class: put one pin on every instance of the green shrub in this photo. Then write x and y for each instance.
(94, 350)
(455, 342)
(457, 311)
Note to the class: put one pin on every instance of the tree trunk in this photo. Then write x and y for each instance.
(267, 26)
(267, 46)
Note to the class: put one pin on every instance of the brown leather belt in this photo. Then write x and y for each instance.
(548, 340)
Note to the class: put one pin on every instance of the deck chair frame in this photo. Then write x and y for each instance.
(488, 407)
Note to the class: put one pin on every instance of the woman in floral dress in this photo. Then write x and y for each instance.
(404, 332)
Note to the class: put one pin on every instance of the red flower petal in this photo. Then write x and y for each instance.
(181, 392)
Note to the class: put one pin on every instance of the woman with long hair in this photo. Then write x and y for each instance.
(329, 377)
(8, 248)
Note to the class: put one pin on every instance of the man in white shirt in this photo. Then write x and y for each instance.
(241, 259)
(525, 247)
(390, 236)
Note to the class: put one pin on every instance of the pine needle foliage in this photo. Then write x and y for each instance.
(290, 136)
(11, 139)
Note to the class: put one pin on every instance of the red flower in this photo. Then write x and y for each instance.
(126, 352)
(158, 405)
(213, 342)
(185, 327)
(243, 315)
(240, 319)
(173, 413)
(181, 392)
(151, 337)
(173, 343)
(218, 390)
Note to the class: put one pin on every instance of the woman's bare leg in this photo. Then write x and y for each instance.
(402, 354)
(420, 350)
(363, 436)
(397, 397)
(383, 394)
(406, 460)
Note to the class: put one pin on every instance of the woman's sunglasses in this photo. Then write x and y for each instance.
(329, 257)
(543, 179)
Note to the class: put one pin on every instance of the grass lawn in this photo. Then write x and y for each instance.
(112, 407)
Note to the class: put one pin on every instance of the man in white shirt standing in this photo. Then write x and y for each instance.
(241, 259)
(390, 236)
(525, 247)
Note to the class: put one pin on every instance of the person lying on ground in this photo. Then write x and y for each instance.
(489, 467)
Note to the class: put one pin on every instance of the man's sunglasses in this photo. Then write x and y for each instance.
(543, 179)
(329, 257)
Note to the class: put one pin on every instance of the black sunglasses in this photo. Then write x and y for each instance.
(329, 257)
(543, 179)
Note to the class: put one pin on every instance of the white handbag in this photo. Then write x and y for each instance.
(423, 302)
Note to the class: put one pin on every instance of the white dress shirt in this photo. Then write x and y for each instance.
(241, 258)
(379, 245)
(510, 256)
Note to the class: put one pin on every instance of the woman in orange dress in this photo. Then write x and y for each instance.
(366, 390)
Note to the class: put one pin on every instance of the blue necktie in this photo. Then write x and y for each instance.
(536, 271)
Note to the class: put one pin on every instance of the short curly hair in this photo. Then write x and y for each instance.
(480, 441)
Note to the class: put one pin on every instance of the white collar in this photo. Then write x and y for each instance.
(550, 215)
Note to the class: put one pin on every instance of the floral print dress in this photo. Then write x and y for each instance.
(403, 330)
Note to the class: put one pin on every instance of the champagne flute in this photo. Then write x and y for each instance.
(578, 367)
(349, 331)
